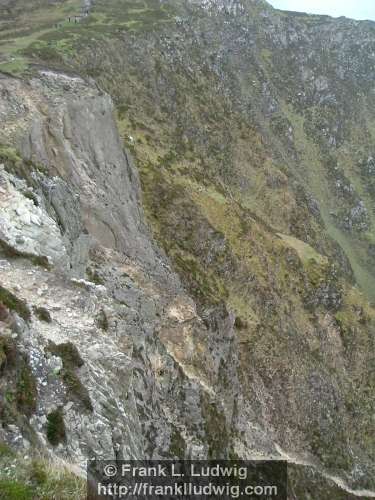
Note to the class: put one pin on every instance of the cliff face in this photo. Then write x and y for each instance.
(117, 356)
(206, 291)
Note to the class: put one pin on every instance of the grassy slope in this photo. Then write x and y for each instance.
(44, 34)
(36, 479)
(25, 26)
(217, 190)
(322, 191)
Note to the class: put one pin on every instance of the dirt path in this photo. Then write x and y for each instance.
(294, 459)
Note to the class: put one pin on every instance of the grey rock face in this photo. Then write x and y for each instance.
(230, 6)
(81, 143)
(143, 388)
(25, 227)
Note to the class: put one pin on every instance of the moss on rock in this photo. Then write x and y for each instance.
(26, 389)
(56, 432)
(72, 360)
(14, 303)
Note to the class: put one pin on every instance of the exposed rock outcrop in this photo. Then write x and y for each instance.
(145, 352)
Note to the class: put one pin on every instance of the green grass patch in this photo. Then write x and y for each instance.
(15, 66)
(21, 31)
(38, 479)
(16, 165)
(14, 490)
(305, 251)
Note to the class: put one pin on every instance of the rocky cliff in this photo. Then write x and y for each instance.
(186, 236)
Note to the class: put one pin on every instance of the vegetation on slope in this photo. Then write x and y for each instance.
(26, 478)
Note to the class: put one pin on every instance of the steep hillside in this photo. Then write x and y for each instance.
(234, 278)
